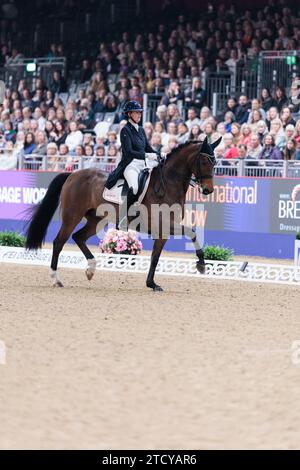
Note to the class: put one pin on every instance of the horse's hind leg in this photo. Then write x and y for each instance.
(81, 237)
(58, 243)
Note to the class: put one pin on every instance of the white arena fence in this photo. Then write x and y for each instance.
(224, 167)
(168, 266)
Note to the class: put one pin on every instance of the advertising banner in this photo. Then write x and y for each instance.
(262, 209)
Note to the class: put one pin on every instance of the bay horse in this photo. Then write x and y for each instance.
(81, 196)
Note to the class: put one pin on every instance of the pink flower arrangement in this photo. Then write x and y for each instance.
(119, 242)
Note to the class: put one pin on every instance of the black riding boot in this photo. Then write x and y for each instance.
(124, 209)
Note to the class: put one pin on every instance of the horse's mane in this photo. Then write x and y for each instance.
(181, 146)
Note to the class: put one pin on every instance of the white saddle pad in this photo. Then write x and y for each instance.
(115, 193)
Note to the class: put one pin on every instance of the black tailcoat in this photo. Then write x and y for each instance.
(134, 145)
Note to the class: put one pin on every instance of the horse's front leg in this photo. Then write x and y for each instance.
(190, 233)
(156, 252)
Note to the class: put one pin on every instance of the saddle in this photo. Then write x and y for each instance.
(119, 191)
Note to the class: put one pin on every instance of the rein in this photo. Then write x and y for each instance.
(160, 188)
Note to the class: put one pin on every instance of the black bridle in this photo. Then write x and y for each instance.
(160, 187)
(199, 180)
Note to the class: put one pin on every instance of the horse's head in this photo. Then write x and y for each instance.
(204, 163)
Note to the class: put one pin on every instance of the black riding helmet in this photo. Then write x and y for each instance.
(132, 106)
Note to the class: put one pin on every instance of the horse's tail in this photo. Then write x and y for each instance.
(43, 213)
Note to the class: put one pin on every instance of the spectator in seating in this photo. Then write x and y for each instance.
(256, 106)
(229, 119)
(205, 114)
(89, 150)
(41, 143)
(221, 128)
(156, 141)
(172, 143)
(26, 100)
(34, 126)
(192, 119)
(86, 71)
(294, 97)
(53, 157)
(173, 94)
(112, 153)
(172, 131)
(290, 132)
(255, 118)
(280, 98)
(245, 134)
(8, 159)
(231, 106)
(173, 114)
(17, 119)
(236, 132)
(286, 117)
(150, 82)
(271, 115)
(60, 133)
(112, 139)
(183, 133)
(84, 119)
(230, 150)
(269, 150)
(195, 133)
(289, 152)
(63, 151)
(242, 152)
(9, 132)
(196, 97)
(161, 115)
(37, 99)
(262, 130)
(20, 142)
(278, 134)
(208, 131)
(50, 131)
(254, 147)
(243, 109)
(58, 84)
(100, 150)
(38, 116)
(29, 144)
(74, 137)
(49, 100)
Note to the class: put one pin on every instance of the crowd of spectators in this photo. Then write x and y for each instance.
(35, 121)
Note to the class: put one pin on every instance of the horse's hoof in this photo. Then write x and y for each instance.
(58, 284)
(89, 274)
(154, 287)
(157, 289)
(200, 267)
(91, 268)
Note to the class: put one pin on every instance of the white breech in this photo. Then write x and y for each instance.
(131, 173)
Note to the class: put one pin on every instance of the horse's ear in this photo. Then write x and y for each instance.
(204, 148)
(216, 143)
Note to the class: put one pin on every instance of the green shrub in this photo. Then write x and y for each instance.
(11, 239)
(219, 253)
(298, 236)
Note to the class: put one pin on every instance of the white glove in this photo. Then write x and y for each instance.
(151, 156)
